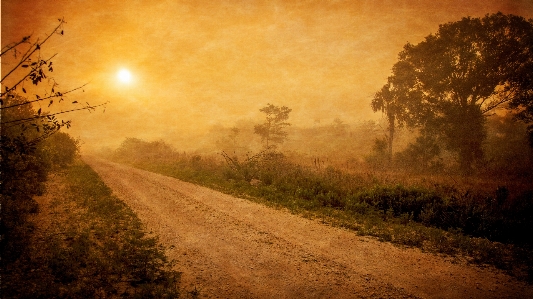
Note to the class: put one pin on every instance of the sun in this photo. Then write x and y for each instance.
(124, 76)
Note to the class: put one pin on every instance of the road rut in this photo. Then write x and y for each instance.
(229, 247)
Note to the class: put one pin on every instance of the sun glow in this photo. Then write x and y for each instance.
(124, 76)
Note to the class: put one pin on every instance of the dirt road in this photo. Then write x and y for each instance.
(228, 247)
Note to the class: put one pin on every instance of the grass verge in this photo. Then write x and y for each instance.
(89, 244)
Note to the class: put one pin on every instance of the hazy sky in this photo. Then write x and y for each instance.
(196, 64)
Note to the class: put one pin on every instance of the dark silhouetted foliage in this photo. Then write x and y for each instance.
(452, 80)
(26, 158)
(27, 150)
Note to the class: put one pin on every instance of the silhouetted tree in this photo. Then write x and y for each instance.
(273, 130)
(453, 79)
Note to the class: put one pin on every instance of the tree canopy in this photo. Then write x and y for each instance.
(273, 129)
(451, 81)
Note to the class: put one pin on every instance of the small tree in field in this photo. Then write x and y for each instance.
(273, 129)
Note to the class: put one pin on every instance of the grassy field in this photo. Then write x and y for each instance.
(490, 225)
(90, 246)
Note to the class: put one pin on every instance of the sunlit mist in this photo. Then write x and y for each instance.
(177, 70)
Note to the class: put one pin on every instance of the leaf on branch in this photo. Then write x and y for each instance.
(38, 97)
(75, 102)
(61, 32)
(24, 65)
(23, 90)
(39, 111)
(51, 102)
(38, 47)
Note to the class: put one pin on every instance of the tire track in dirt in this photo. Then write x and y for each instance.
(229, 247)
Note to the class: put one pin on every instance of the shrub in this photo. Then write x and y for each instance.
(26, 157)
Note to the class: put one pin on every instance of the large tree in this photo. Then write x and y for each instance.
(451, 81)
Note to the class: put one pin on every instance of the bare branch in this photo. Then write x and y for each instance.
(56, 95)
(497, 102)
(14, 45)
(25, 77)
(36, 46)
(36, 117)
(24, 58)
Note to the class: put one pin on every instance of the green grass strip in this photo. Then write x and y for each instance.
(95, 247)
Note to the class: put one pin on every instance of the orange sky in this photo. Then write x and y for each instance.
(196, 64)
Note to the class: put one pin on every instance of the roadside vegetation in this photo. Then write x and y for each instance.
(31, 144)
(91, 245)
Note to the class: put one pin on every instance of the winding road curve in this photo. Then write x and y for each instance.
(229, 247)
